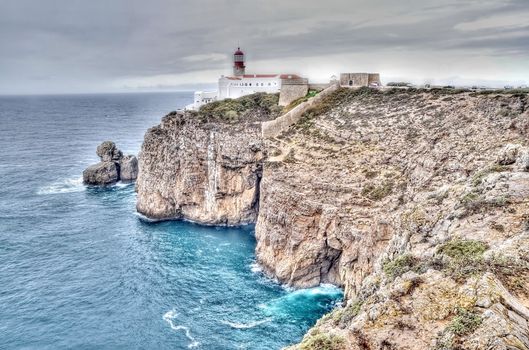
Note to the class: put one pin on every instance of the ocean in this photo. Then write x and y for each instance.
(79, 269)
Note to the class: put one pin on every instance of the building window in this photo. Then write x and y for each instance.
(269, 84)
(250, 84)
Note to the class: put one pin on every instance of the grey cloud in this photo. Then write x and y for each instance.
(80, 45)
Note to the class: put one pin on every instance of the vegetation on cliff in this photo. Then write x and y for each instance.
(256, 107)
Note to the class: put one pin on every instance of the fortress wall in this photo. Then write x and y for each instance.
(374, 78)
(319, 86)
(291, 92)
(275, 127)
(359, 79)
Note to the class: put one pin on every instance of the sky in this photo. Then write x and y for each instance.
(78, 46)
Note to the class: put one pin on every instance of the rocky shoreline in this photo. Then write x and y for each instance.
(413, 201)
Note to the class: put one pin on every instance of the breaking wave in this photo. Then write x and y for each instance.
(299, 303)
(256, 268)
(63, 186)
(252, 324)
(169, 317)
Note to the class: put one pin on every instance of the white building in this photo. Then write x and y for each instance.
(203, 97)
(241, 84)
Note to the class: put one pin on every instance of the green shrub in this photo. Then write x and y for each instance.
(312, 93)
(259, 105)
(400, 265)
(463, 249)
(478, 177)
(465, 322)
(398, 83)
(466, 258)
(522, 92)
(474, 203)
(344, 315)
(323, 342)
(378, 192)
(511, 271)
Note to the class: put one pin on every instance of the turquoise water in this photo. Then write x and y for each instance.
(79, 269)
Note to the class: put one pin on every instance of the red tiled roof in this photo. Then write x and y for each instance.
(260, 75)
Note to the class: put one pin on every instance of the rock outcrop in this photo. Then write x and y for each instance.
(414, 201)
(112, 168)
(207, 172)
(102, 173)
(128, 168)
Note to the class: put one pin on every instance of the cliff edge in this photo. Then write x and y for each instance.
(415, 201)
(206, 167)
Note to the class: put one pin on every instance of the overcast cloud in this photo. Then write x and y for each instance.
(57, 46)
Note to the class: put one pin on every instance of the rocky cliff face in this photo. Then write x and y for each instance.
(414, 201)
(200, 171)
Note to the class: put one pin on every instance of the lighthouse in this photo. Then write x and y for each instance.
(242, 84)
(238, 62)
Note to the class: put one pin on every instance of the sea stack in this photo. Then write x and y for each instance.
(113, 166)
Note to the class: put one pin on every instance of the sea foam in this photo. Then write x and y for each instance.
(169, 317)
(68, 185)
(251, 324)
(310, 300)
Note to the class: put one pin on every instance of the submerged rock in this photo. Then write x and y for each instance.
(112, 168)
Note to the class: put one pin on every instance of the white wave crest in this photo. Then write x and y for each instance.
(252, 324)
(169, 317)
(146, 218)
(256, 268)
(122, 184)
(63, 186)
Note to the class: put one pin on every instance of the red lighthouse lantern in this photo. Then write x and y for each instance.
(238, 62)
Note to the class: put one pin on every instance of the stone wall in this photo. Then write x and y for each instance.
(291, 90)
(275, 127)
(319, 86)
(359, 79)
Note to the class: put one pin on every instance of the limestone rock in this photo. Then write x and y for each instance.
(112, 168)
(128, 168)
(203, 172)
(379, 176)
(108, 152)
(508, 154)
(102, 173)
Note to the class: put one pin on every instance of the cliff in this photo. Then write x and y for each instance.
(413, 201)
(208, 173)
(206, 167)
